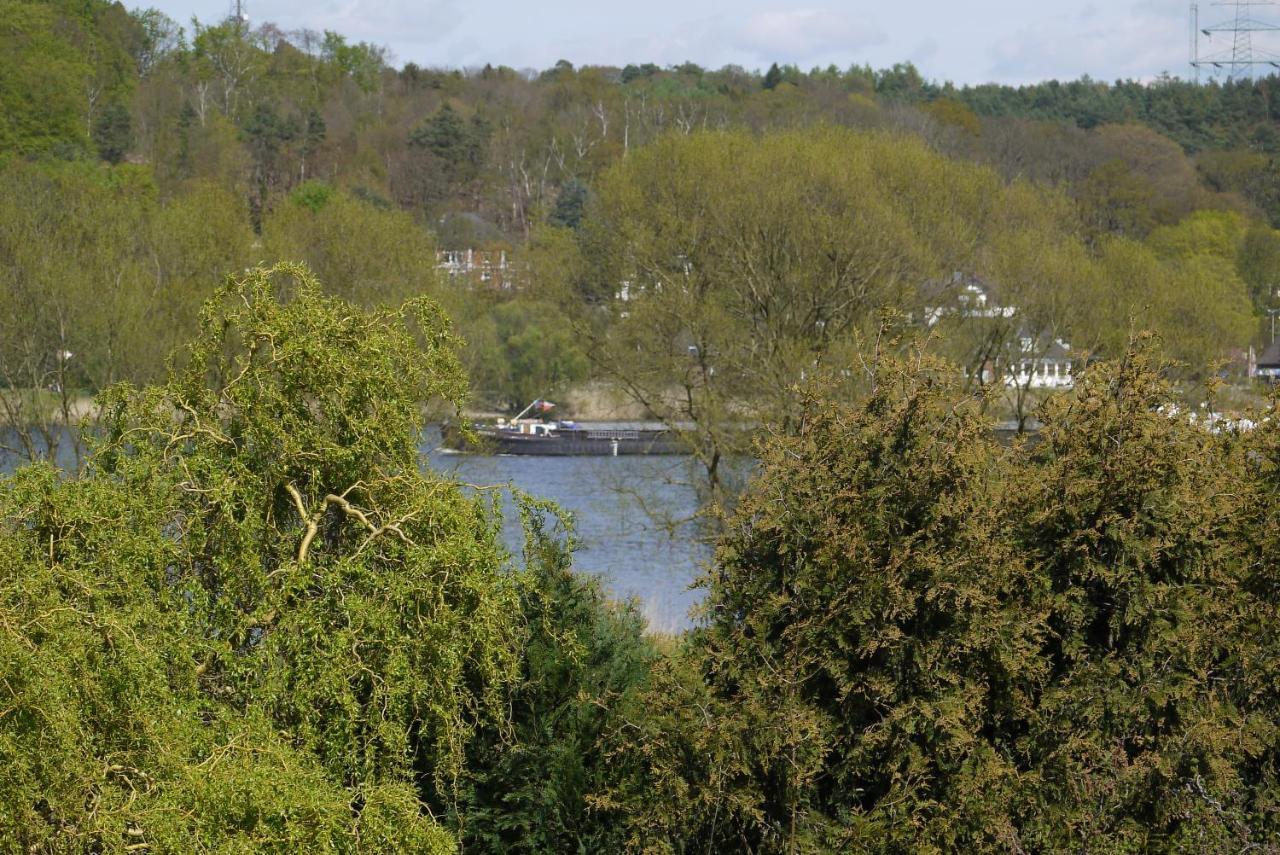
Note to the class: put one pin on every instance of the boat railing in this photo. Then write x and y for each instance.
(607, 433)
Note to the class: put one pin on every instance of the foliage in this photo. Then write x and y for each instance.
(39, 93)
(362, 62)
(454, 147)
(255, 623)
(949, 112)
(918, 640)
(585, 659)
(113, 133)
(541, 352)
(312, 195)
(100, 283)
(568, 209)
(363, 253)
(490, 157)
(1182, 282)
(733, 267)
(1258, 264)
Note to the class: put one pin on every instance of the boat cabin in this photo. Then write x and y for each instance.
(528, 427)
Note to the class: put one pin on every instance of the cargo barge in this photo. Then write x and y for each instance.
(558, 438)
(570, 438)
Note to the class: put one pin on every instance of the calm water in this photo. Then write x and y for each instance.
(627, 512)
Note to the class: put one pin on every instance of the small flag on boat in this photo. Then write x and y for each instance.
(544, 406)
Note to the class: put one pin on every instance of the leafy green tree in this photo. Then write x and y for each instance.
(103, 282)
(1212, 233)
(1253, 618)
(1197, 302)
(1115, 201)
(75, 293)
(270, 138)
(570, 202)
(1258, 264)
(954, 114)
(638, 72)
(64, 63)
(111, 740)
(255, 623)
(363, 63)
(229, 60)
(902, 82)
(723, 269)
(160, 38)
(540, 355)
(41, 90)
(193, 242)
(772, 77)
(453, 145)
(847, 632)
(363, 253)
(1123, 514)
(918, 640)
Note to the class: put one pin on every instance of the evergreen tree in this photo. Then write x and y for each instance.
(570, 202)
(113, 133)
(772, 77)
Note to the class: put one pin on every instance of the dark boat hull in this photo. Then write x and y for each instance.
(609, 443)
(577, 443)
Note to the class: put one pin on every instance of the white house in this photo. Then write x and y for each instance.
(964, 296)
(1268, 364)
(1042, 362)
(1030, 361)
(477, 266)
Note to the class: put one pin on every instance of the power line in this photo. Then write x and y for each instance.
(1246, 42)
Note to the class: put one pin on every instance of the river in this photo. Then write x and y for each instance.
(625, 511)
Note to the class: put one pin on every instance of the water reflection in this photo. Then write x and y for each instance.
(632, 516)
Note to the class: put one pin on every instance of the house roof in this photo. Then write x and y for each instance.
(1270, 358)
(1046, 345)
(950, 286)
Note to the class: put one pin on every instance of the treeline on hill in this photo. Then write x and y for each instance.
(151, 158)
(254, 624)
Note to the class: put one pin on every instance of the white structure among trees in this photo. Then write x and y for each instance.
(1012, 353)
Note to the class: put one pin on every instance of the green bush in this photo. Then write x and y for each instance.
(917, 640)
(255, 624)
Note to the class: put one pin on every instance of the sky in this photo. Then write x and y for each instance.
(1004, 41)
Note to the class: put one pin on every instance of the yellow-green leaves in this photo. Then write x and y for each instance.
(255, 624)
(917, 640)
(360, 252)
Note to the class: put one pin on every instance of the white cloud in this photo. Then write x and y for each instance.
(399, 22)
(1011, 41)
(924, 52)
(805, 35)
(719, 36)
(1138, 42)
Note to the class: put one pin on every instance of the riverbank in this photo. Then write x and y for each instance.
(79, 407)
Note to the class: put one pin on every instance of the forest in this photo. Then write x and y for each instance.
(238, 613)
(143, 159)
